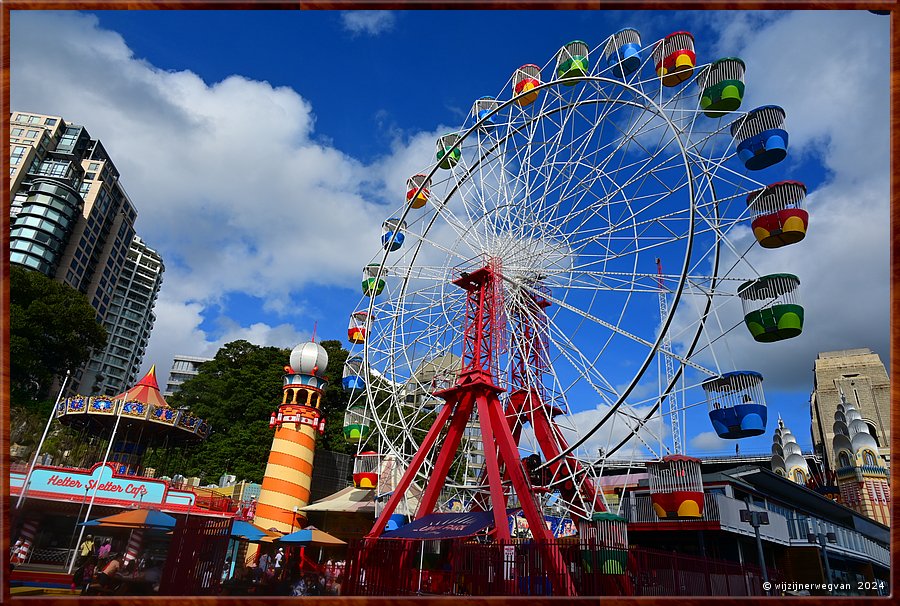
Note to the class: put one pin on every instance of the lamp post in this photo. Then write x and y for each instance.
(757, 519)
(117, 405)
(40, 445)
(822, 539)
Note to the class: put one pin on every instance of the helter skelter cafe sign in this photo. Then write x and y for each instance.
(102, 479)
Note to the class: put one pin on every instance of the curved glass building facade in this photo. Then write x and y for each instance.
(39, 233)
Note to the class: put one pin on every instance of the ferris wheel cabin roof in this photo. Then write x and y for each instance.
(724, 59)
(675, 457)
(750, 288)
(724, 381)
(681, 33)
(754, 194)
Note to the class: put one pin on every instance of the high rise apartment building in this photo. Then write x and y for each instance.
(183, 368)
(128, 322)
(858, 377)
(70, 217)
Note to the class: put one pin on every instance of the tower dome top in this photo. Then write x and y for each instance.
(309, 359)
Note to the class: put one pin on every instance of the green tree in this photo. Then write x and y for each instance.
(52, 328)
(334, 404)
(236, 393)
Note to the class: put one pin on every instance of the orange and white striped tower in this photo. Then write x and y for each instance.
(297, 422)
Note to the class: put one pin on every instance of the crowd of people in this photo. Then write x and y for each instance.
(274, 574)
(101, 570)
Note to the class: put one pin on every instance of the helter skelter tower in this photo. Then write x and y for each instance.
(298, 420)
(476, 390)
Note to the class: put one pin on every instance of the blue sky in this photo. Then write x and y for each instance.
(263, 149)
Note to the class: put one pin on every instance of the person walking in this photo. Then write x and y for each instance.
(263, 564)
(279, 558)
(87, 547)
(105, 549)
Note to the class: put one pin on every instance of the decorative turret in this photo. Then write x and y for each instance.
(861, 473)
(787, 457)
(286, 484)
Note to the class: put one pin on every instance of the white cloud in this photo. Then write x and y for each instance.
(837, 114)
(368, 22)
(177, 331)
(709, 441)
(230, 184)
(239, 194)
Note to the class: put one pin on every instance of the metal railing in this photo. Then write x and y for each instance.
(788, 531)
(391, 567)
(847, 542)
(49, 555)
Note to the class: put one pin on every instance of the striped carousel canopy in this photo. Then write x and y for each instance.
(146, 390)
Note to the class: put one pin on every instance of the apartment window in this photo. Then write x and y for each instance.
(32, 134)
(50, 121)
(94, 166)
(90, 176)
(16, 132)
(18, 151)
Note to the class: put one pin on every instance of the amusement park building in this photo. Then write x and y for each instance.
(71, 220)
(51, 504)
(807, 533)
(860, 376)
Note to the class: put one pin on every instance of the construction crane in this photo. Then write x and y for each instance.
(674, 413)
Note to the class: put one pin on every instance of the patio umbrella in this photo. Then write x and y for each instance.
(251, 532)
(135, 518)
(310, 536)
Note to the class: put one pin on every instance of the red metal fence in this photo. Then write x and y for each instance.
(400, 567)
(196, 556)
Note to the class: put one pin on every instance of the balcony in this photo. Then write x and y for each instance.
(804, 531)
(793, 532)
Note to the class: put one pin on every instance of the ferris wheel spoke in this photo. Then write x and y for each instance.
(570, 200)
(613, 328)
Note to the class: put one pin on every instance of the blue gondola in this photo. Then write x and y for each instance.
(392, 235)
(623, 52)
(762, 140)
(737, 404)
(482, 109)
(352, 376)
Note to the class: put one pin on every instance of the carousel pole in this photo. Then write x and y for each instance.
(37, 450)
(96, 487)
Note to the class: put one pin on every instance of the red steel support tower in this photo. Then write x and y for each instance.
(475, 389)
(528, 402)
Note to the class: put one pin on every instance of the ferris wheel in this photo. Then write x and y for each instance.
(576, 242)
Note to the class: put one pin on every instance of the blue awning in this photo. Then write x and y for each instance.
(444, 526)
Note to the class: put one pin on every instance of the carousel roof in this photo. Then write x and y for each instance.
(146, 390)
(141, 405)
